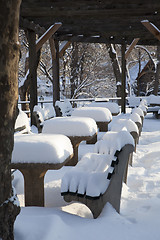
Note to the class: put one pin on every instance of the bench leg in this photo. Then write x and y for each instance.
(34, 186)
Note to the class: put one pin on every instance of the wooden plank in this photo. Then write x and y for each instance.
(123, 90)
(32, 71)
(55, 69)
(152, 28)
(64, 45)
(130, 48)
(47, 35)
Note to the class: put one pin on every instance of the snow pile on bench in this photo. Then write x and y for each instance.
(135, 117)
(22, 122)
(39, 148)
(99, 114)
(46, 112)
(71, 126)
(127, 123)
(139, 111)
(113, 107)
(92, 173)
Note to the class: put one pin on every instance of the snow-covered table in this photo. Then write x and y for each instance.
(113, 107)
(77, 129)
(101, 115)
(33, 155)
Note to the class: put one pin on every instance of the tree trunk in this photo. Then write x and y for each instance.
(9, 53)
(116, 68)
(157, 75)
(74, 70)
(24, 90)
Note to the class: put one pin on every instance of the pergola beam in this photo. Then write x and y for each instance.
(64, 45)
(131, 46)
(47, 35)
(152, 28)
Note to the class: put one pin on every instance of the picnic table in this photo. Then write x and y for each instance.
(33, 155)
(77, 129)
(101, 115)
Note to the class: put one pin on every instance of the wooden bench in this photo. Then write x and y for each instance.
(155, 110)
(22, 123)
(33, 155)
(98, 177)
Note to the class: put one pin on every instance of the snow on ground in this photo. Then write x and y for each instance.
(139, 217)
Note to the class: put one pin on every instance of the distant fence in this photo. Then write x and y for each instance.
(42, 102)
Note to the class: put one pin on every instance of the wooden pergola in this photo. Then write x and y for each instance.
(98, 21)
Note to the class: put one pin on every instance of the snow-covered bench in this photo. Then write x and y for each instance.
(154, 105)
(140, 112)
(33, 155)
(78, 129)
(131, 128)
(135, 117)
(22, 123)
(41, 114)
(98, 177)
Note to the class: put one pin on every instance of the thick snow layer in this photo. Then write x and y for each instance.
(135, 117)
(40, 112)
(46, 112)
(41, 148)
(99, 114)
(127, 123)
(89, 175)
(143, 107)
(22, 120)
(71, 126)
(113, 141)
(139, 111)
(113, 107)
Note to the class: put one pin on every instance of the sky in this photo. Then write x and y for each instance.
(140, 201)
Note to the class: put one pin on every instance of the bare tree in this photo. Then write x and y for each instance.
(9, 55)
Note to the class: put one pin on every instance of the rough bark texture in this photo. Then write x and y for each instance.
(9, 54)
(74, 64)
(116, 67)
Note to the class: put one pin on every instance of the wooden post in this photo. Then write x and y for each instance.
(54, 45)
(157, 75)
(32, 71)
(123, 96)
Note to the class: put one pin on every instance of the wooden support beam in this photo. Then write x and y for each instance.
(54, 45)
(123, 90)
(152, 28)
(32, 71)
(64, 45)
(131, 46)
(47, 35)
